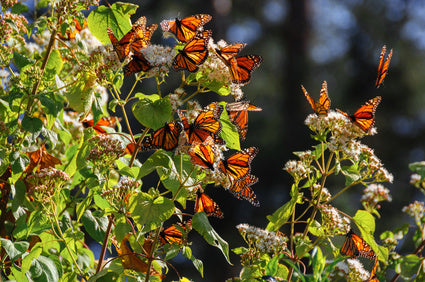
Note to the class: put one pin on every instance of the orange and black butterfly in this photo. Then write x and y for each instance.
(142, 37)
(104, 121)
(71, 33)
(202, 154)
(373, 277)
(238, 165)
(137, 64)
(173, 234)
(242, 67)
(41, 159)
(354, 246)
(167, 137)
(186, 28)
(194, 53)
(383, 66)
(241, 189)
(320, 107)
(206, 204)
(364, 117)
(207, 123)
(238, 115)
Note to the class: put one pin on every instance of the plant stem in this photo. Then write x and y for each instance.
(105, 243)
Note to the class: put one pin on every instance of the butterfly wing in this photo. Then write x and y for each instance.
(322, 107)
(241, 68)
(383, 66)
(166, 137)
(364, 117)
(355, 246)
(193, 54)
(171, 235)
(238, 115)
(241, 189)
(230, 51)
(137, 64)
(206, 204)
(201, 154)
(110, 121)
(238, 165)
(142, 37)
(207, 123)
(186, 28)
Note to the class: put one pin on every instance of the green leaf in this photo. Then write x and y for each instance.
(318, 261)
(152, 114)
(43, 269)
(14, 250)
(187, 252)
(19, 197)
(409, 266)
(80, 95)
(282, 214)
(418, 167)
(27, 261)
(31, 124)
(351, 174)
(95, 225)
(19, 162)
(150, 212)
(54, 64)
(19, 8)
(201, 224)
(229, 132)
(101, 202)
(48, 101)
(21, 61)
(156, 160)
(117, 17)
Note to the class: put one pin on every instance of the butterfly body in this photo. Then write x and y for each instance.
(238, 165)
(202, 155)
(238, 115)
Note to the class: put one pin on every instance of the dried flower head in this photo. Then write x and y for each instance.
(104, 150)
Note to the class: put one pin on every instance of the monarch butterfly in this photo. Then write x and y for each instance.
(321, 107)
(241, 189)
(186, 28)
(202, 154)
(207, 123)
(137, 64)
(238, 165)
(364, 117)
(174, 234)
(383, 67)
(354, 246)
(122, 46)
(373, 272)
(238, 115)
(167, 137)
(242, 67)
(42, 159)
(194, 53)
(104, 121)
(206, 204)
(142, 36)
(71, 33)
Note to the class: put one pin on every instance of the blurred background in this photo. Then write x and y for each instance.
(306, 42)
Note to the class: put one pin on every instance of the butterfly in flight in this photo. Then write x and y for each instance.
(241, 189)
(238, 115)
(364, 117)
(202, 154)
(207, 123)
(242, 67)
(136, 39)
(185, 29)
(320, 107)
(383, 66)
(166, 137)
(110, 121)
(355, 246)
(206, 204)
(238, 165)
(194, 53)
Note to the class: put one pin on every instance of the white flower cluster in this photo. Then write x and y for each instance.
(375, 193)
(160, 57)
(353, 270)
(264, 241)
(415, 209)
(297, 169)
(332, 222)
